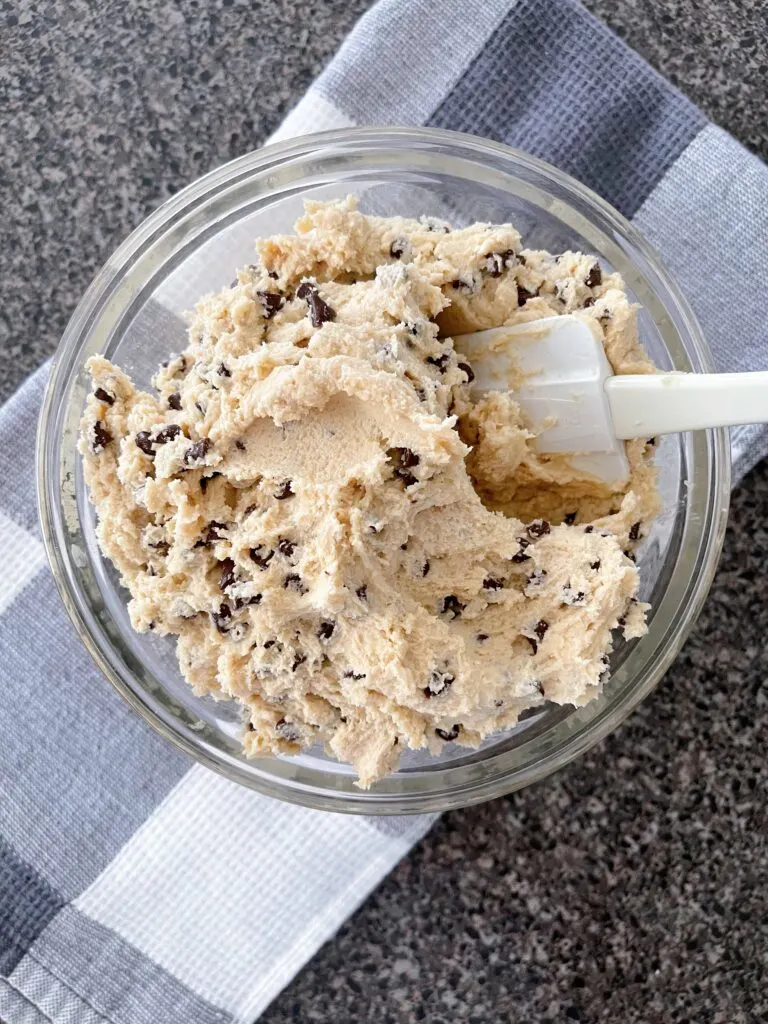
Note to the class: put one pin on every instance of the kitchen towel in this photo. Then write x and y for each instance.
(136, 888)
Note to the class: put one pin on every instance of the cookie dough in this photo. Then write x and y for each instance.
(340, 536)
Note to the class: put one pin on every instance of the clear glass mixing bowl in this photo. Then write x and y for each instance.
(132, 313)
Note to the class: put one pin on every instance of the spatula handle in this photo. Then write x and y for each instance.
(665, 403)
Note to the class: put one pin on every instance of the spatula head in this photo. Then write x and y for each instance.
(556, 369)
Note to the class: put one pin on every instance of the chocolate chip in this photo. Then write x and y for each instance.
(398, 247)
(222, 617)
(570, 518)
(536, 578)
(223, 371)
(362, 592)
(349, 674)
(634, 531)
(273, 274)
(651, 441)
(588, 302)
(403, 459)
(439, 682)
(630, 555)
(495, 262)
(101, 437)
(538, 528)
(541, 628)
(523, 295)
(241, 602)
(261, 556)
(319, 310)
(521, 555)
(228, 576)
(287, 730)
(595, 565)
(621, 621)
(589, 529)
(212, 532)
(404, 547)
(169, 433)
(286, 547)
(492, 583)
(325, 630)
(594, 277)
(522, 260)
(294, 582)
(533, 643)
(198, 451)
(144, 441)
(240, 445)
(298, 660)
(452, 606)
(104, 396)
(571, 597)
(441, 362)
(174, 401)
(481, 638)
(468, 370)
(462, 285)
(271, 302)
(285, 491)
(162, 547)
(425, 568)
(448, 734)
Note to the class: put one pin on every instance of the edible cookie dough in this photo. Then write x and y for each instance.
(340, 536)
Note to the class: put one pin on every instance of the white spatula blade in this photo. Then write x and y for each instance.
(556, 369)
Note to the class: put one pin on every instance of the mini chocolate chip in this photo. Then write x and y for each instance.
(198, 451)
(448, 734)
(589, 302)
(595, 565)
(452, 606)
(441, 362)
(271, 273)
(298, 660)
(521, 259)
(541, 628)
(569, 518)
(533, 643)
(271, 302)
(249, 510)
(439, 682)
(286, 547)
(571, 597)
(319, 310)
(174, 401)
(162, 547)
(402, 458)
(651, 441)
(261, 557)
(287, 730)
(634, 531)
(630, 555)
(304, 290)
(538, 528)
(589, 529)
(325, 630)
(404, 547)
(223, 371)
(398, 247)
(169, 433)
(362, 592)
(468, 370)
(228, 576)
(104, 396)
(294, 582)
(269, 643)
(461, 285)
(240, 445)
(101, 437)
(495, 262)
(621, 621)
(523, 295)
(286, 491)
(144, 441)
(594, 277)
(521, 555)
(425, 568)
(222, 617)
(491, 583)
(481, 638)
(212, 532)
(241, 602)
(536, 578)
(349, 674)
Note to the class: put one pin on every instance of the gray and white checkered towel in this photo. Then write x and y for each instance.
(136, 888)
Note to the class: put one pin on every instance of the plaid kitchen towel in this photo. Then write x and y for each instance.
(138, 889)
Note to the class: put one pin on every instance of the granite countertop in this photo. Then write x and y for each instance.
(631, 887)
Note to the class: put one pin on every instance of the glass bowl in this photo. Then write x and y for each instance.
(193, 244)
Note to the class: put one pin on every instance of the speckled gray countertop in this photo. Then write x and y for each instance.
(633, 886)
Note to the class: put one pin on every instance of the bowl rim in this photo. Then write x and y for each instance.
(371, 802)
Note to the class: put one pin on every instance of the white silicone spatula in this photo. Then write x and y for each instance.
(557, 370)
